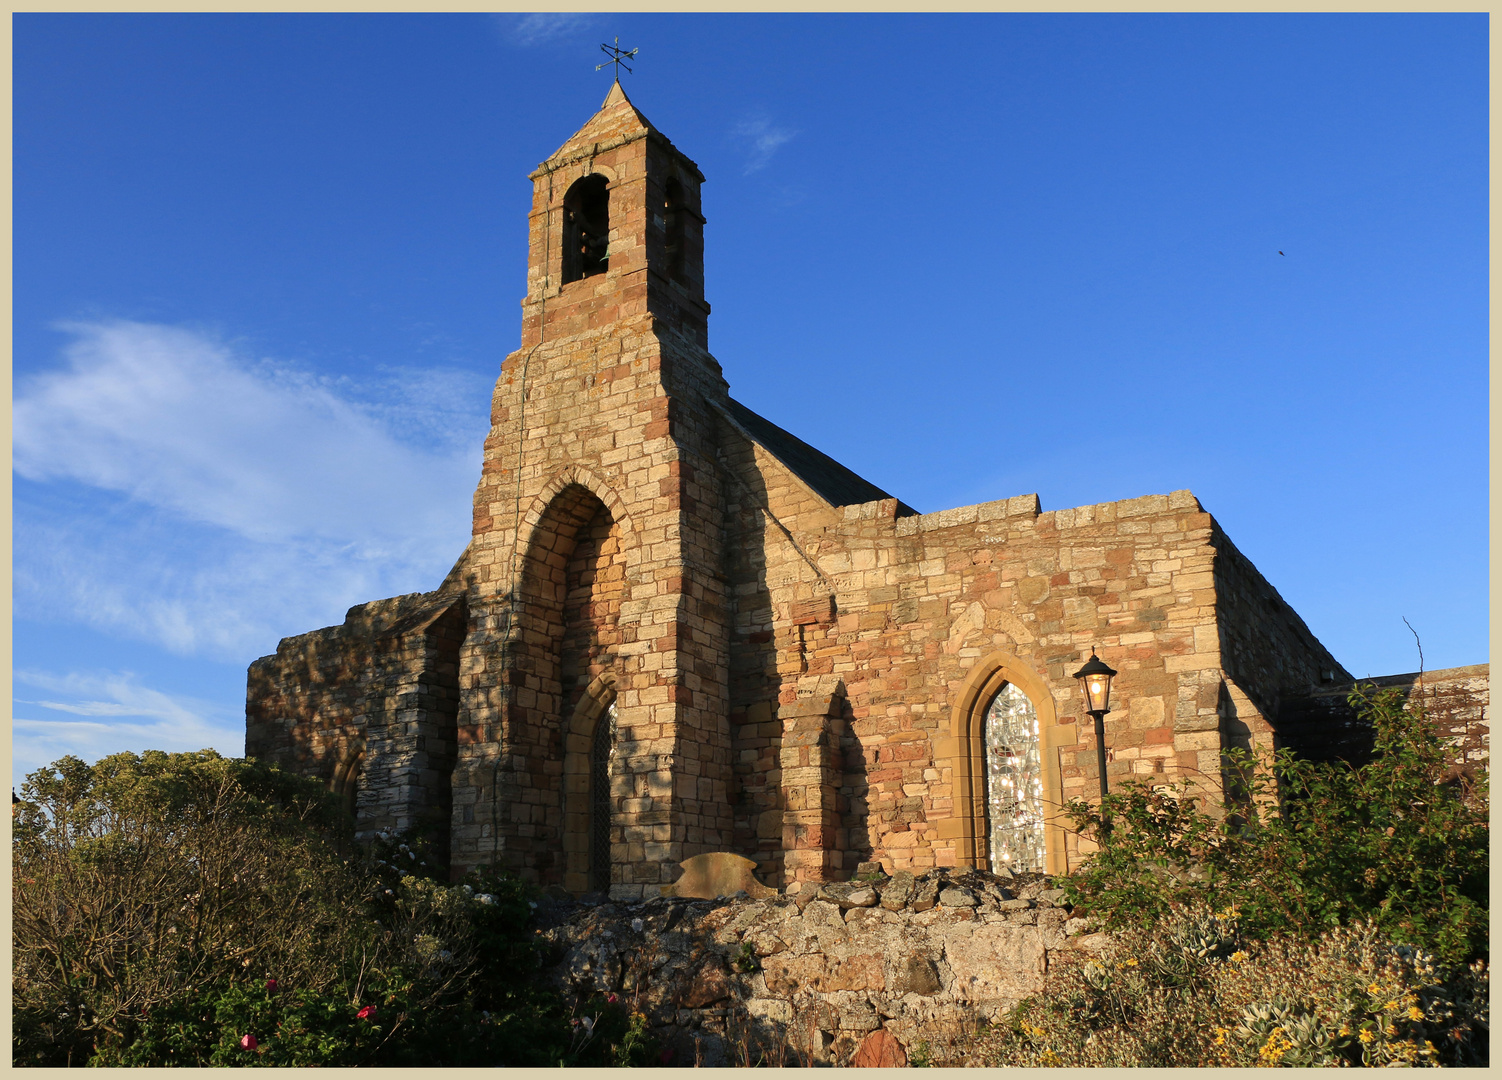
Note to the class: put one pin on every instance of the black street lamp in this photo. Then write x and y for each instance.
(1095, 679)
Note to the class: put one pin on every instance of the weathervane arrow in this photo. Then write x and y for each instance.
(617, 55)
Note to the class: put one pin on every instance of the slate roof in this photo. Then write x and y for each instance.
(833, 482)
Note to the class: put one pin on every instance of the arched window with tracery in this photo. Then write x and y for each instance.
(586, 228)
(601, 771)
(1003, 754)
(1014, 783)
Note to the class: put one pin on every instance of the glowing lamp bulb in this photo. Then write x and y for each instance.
(1095, 680)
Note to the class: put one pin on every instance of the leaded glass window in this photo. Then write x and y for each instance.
(601, 768)
(1014, 782)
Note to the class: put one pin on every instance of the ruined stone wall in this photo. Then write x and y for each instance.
(1323, 725)
(1267, 652)
(412, 716)
(923, 605)
(813, 980)
(306, 705)
(369, 707)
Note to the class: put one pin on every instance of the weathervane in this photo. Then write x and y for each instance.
(616, 53)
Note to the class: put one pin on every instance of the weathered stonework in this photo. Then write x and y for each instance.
(832, 978)
(797, 663)
(1458, 700)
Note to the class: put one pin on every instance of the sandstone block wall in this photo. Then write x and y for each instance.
(917, 604)
(306, 705)
(369, 707)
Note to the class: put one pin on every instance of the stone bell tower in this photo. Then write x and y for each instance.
(593, 741)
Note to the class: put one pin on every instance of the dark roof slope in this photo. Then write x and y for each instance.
(832, 481)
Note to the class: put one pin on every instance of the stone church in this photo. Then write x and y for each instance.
(678, 628)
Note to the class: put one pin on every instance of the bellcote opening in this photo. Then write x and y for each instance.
(672, 215)
(586, 228)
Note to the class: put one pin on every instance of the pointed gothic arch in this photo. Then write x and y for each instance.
(566, 627)
(584, 801)
(345, 781)
(1003, 683)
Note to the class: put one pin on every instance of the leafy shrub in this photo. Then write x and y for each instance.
(1308, 846)
(139, 878)
(190, 909)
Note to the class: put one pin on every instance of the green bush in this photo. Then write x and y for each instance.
(1306, 846)
(188, 909)
(140, 878)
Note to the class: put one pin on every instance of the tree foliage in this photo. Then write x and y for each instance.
(1306, 846)
(189, 909)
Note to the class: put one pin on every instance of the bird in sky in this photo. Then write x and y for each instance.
(1280, 253)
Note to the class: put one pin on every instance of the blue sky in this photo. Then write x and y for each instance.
(267, 267)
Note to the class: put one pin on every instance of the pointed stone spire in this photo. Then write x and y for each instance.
(617, 117)
(616, 96)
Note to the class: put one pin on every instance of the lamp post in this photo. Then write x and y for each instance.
(1095, 680)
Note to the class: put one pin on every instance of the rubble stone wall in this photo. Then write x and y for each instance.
(818, 975)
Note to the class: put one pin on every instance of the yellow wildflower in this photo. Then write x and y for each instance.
(1374, 989)
(1366, 1036)
(1390, 1006)
(1345, 1029)
(1415, 1013)
(1131, 961)
(1238, 956)
(1276, 1046)
(1048, 1058)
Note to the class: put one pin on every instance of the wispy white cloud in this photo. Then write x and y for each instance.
(762, 139)
(540, 28)
(173, 419)
(122, 715)
(183, 494)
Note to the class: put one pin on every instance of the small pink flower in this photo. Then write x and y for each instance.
(610, 999)
(271, 986)
(366, 1013)
(248, 1042)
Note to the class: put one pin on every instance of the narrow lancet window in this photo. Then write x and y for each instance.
(601, 762)
(672, 216)
(586, 228)
(1014, 782)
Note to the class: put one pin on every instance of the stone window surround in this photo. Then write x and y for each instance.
(577, 746)
(962, 754)
(346, 776)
